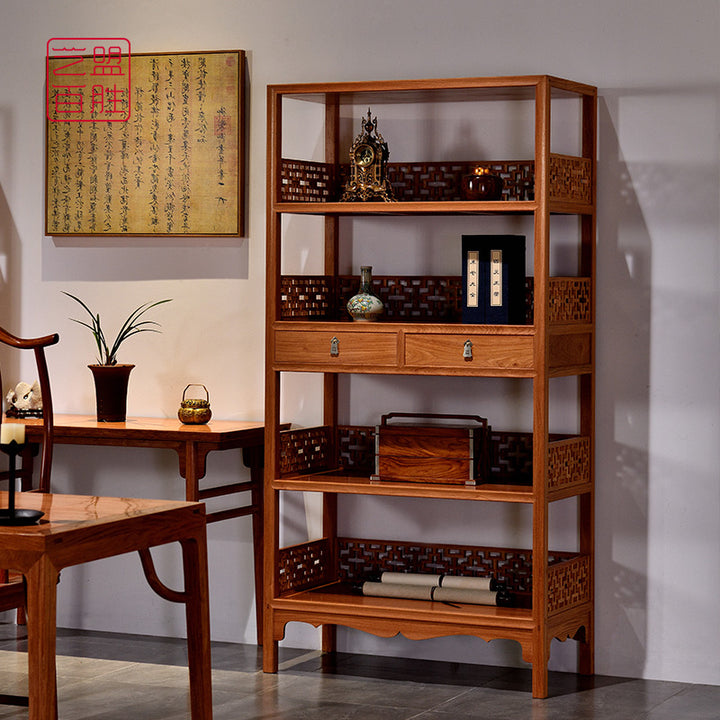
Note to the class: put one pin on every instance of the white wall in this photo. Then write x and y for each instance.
(656, 66)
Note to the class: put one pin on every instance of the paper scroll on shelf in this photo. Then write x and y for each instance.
(445, 581)
(439, 588)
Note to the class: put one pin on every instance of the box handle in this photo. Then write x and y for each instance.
(434, 416)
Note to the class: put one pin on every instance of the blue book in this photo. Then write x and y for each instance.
(493, 277)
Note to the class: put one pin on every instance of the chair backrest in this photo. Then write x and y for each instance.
(38, 345)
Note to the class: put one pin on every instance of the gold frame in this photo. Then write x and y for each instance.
(176, 167)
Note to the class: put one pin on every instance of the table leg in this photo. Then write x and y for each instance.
(42, 608)
(192, 475)
(256, 476)
(197, 613)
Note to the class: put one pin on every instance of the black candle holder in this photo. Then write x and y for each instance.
(13, 515)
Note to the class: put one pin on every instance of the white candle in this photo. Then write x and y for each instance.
(10, 432)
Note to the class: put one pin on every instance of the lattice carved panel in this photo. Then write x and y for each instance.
(569, 462)
(356, 447)
(570, 300)
(511, 457)
(305, 451)
(568, 584)
(305, 181)
(417, 297)
(308, 297)
(569, 178)
(304, 566)
(408, 297)
(302, 181)
(361, 558)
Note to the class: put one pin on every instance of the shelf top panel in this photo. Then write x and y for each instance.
(337, 482)
(416, 327)
(454, 207)
(335, 604)
(521, 87)
(407, 208)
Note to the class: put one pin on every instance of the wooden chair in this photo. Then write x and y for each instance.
(12, 586)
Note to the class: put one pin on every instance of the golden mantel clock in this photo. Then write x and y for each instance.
(368, 166)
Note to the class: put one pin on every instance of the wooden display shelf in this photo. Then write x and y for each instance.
(427, 187)
(337, 481)
(317, 576)
(341, 483)
(416, 619)
(309, 463)
(420, 335)
(418, 207)
(420, 620)
(435, 90)
(427, 300)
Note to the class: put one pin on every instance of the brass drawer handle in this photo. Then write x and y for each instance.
(467, 351)
(334, 347)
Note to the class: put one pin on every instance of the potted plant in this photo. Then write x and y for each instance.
(111, 378)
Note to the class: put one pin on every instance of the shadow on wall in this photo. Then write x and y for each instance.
(118, 258)
(622, 408)
(9, 294)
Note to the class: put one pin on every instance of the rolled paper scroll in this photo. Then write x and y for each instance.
(429, 580)
(438, 594)
(401, 578)
(467, 583)
(460, 595)
(385, 589)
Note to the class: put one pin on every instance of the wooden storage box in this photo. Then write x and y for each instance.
(455, 454)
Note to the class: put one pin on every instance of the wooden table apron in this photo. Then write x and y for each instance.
(191, 442)
(80, 529)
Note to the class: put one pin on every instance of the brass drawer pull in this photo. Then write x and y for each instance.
(334, 347)
(467, 351)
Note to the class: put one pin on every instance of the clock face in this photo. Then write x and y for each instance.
(364, 155)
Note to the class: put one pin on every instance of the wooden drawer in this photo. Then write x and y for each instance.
(334, 350)
(487, 352)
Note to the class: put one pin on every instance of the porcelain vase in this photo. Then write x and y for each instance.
(365, 306)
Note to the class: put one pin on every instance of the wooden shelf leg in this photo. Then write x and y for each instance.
(539, 680)
(258, 531)
(270, 651)
(329, 638)
(541, 658)
(586, 651)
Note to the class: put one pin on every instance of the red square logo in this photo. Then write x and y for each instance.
(88, 79)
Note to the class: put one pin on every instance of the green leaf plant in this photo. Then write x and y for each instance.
(132, 326)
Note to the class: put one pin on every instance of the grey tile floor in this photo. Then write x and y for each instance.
(105, 676)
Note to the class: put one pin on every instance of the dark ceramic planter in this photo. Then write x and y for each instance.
(111, 385)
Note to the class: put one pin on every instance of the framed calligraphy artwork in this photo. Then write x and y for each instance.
(161, 153)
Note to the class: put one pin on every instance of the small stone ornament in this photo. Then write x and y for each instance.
(24, 401)
(195, 411)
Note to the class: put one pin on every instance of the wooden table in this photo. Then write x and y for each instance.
(192, 443)
(78, 529)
